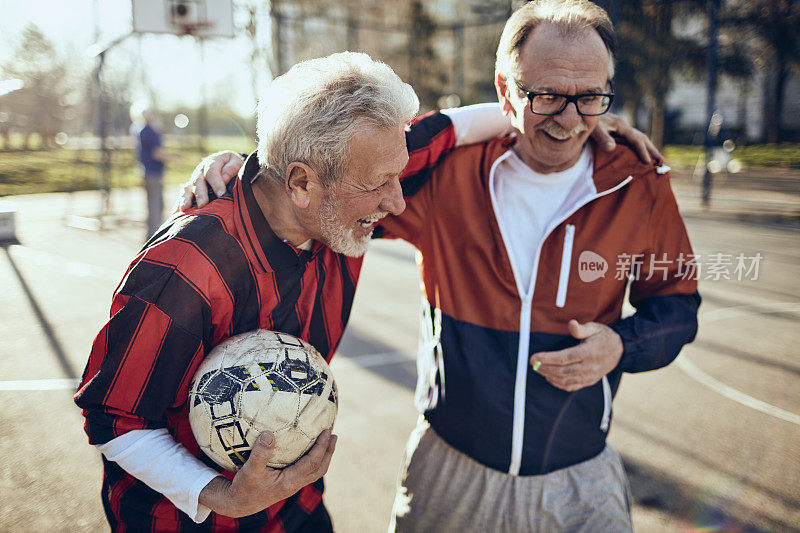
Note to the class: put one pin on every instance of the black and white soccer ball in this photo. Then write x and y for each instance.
(256, 381)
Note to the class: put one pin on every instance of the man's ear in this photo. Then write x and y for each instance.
(302, 182)
(501, 84)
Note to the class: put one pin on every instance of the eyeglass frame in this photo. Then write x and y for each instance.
(568, 98)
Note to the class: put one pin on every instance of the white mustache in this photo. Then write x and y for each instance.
(552, 128)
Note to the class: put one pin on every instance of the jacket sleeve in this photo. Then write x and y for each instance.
(428, 138)
(143, 359)
(663, 290)
(653, 337)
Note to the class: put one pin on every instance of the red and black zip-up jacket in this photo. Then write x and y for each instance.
(480, 393)
(207, 275)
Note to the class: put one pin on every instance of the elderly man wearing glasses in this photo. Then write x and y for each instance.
(529, 244)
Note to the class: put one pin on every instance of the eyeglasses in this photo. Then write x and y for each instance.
(588, 104)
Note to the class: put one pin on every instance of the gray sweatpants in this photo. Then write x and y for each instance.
(442, 490)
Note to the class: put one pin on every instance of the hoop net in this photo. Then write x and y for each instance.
(192, 28)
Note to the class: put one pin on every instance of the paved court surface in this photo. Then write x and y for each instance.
(713, 441)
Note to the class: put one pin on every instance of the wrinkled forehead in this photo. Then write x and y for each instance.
(554, 59)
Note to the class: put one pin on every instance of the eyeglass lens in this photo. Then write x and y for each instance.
(550, 104)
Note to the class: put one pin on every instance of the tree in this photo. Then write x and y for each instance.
(650, 52)
(775, 25)
(39, 106)
(659, 39)
(426, 73)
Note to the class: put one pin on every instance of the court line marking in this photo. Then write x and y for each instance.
(339, 363)
(371, 360)
(691, 370)
(39, 384)
(64, 264)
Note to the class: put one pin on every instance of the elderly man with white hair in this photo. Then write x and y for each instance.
(280, 250)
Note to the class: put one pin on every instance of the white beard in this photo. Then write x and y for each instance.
(338, 238)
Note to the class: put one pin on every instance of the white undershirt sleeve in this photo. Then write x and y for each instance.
(478, 123)
(153, 457)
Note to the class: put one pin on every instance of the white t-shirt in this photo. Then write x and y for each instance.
(528, 202)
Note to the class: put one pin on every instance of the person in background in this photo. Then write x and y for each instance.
(152, 158)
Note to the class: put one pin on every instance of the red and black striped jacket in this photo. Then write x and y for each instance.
(206, 275)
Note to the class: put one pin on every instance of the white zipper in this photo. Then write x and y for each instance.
(429, 358)
(520, 388)
(526, 297)
(606, 420)
(566, 260)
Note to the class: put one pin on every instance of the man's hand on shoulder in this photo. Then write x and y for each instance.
(257, 486)
(585, 364)
(216, 171)
(641, 144)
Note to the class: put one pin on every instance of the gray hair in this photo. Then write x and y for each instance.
(309, 114)
(571, 17)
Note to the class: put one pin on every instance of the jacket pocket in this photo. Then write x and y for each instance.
(606, 420)
(566, 261)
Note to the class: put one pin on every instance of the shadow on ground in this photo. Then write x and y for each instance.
(66, 367)
(354, 345)
(655, 489)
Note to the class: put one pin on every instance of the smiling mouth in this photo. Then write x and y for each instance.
(369, 222)
(555, 138)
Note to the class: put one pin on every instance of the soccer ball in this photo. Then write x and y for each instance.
(256, 381)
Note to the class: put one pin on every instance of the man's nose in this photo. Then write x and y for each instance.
(569, 118)
(393, 202)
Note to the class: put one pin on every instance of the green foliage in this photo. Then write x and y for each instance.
(785, 155)
(659, 41)
(776, 49)
(28, 172)
(680, 155)
(770, 155)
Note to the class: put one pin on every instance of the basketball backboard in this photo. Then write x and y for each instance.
(201, 18)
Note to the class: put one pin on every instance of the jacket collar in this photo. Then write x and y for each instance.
(610, 168)
(262, 246)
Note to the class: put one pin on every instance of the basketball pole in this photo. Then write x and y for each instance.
(98, 51)
(713, 122)
(202, 114)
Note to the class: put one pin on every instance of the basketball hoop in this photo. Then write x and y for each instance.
(198, 18)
